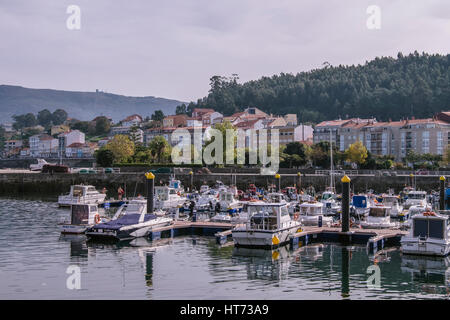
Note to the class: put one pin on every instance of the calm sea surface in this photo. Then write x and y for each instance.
(35, 258)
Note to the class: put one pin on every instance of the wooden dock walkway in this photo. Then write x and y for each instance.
(375, 239)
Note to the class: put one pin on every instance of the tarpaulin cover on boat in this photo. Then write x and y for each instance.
(126, 220)
(360, 201)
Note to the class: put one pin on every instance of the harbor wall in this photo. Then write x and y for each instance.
(21, 184)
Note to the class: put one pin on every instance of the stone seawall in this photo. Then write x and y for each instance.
(20, 184)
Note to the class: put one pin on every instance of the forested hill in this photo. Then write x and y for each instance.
(80, 105)
(385, 88)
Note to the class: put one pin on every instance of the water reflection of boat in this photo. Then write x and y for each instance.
(78, 247)
(263, 264)
(312, 251)
(426, 269)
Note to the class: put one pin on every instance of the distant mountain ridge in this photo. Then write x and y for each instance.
(79, 105)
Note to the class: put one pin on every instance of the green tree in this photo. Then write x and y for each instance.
(59, 116)
(24, 121)
(160, 149)
(44, 118)
(102, 126)
(181, 109)
(122, 148)
(356, 153)
(158, 115)
(104, 157)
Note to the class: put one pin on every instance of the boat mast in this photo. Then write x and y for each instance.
(331, 165)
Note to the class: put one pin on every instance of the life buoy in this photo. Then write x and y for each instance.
(97, 218)
(295, 216)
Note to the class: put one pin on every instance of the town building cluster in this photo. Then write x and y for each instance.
(395, 138)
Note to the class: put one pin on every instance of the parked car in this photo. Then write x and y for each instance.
(55, 168)
(422, 172)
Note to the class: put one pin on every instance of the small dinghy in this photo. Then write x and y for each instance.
(130, 221)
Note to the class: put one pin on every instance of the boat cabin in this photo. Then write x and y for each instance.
(82, 190)
(83, 214)
(164, 193)
(311, 208)
(430, 225)
(268, 216)
(379, 212)
(360, 201)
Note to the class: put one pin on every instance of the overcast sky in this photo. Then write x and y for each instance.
(171, 48)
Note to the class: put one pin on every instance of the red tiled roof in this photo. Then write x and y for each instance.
(76, 145)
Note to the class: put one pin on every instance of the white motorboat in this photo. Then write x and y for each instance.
(176, 184)
(414, 198)
(379, 218)
(228, 203)
(311, 212)
(81, 194)
(204, 188)
(223, 217)
(168, 198)
(393, 202)
(82, 217)
(331, 205)
(269, 226)
(361, 205)
(429, 235)
(130, 221)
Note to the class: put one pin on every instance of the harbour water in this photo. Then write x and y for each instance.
(35, 259)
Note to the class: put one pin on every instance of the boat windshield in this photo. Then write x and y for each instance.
(390, 200)
(77, 191)
(417, 196)
(310, 210)
(134, 208)
(378, 212)
(271, 210)
(429, 228)
(327, 196)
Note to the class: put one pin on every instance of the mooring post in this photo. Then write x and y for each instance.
(299, 183)
(278, 177)
(442, 193)
(192, 180)
(150, 190)
(345, 204)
